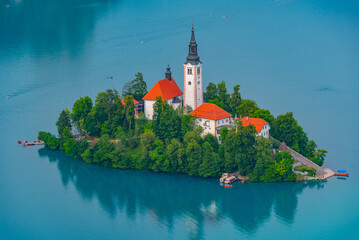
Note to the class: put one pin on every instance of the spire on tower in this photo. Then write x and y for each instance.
(192, 57)
(168, 73)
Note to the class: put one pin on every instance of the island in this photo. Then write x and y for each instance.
(195, 132)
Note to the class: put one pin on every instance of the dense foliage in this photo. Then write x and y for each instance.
(311, 171)
(284, 128)
(106, 132)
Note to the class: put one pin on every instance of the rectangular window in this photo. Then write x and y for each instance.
(198, 70)
(189, 71)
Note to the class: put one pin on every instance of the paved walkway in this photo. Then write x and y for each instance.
(322, 173)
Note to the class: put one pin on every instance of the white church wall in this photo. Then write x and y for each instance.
(193, 85)
(149, 109)
(208, 125)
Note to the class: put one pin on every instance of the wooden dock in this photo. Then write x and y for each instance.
(26, 143)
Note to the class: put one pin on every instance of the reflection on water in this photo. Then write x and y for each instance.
(167, 197)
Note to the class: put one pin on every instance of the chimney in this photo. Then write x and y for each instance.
(247, 119)
(168, 73)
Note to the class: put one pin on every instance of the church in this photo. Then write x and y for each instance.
(168, 89)
(209, 116)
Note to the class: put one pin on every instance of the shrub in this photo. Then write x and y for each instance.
(311, 171)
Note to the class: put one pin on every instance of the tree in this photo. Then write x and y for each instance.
(80, 111)
(319, 156)
(280, 170)
(311, 149)
(72, 147)
(211, 92)
(158, 157)
(211, 165)
(285, 129)
(103, 149)
(239, 152)
(223, 96)
(235, 100)
(194, 135)
(246, 153)
(166, 121)
(223, 134)
(246, 108)
(217, 102)
(53, 142)
(302, 141)
(187, 124)
(187, 109)
(176, 156)
(141, 123)
(105, 107)
(212, 140)
(64, 124)
(263, 114)
(159, 107)
(129, 111)
(137, 87)
(263, 158)
(148, 139)
(194, 157)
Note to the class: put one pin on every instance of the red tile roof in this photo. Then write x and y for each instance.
(164, 88)
(134, 102)
(257, 122)
(210, 111)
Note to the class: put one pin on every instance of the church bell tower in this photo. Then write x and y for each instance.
(193, 84)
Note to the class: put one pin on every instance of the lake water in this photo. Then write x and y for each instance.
(288, 55)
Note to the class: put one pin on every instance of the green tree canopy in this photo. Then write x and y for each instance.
(246, 108)
(235, 100)
(263, 114)
(211, 165)
(222, 92)
(217, 102)
(263, 158)
(137, 87)
(64, 124)
(210, 93)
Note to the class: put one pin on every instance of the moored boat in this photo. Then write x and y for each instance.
(341, 173)
(230, 179)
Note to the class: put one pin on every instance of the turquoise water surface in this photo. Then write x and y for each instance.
(288, 55)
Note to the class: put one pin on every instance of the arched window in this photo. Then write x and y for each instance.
(198, 70)
(189, 71)
(189, 83)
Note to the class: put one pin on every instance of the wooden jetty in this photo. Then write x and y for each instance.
(26, 143)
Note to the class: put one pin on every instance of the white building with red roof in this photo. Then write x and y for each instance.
(261, 126)
(168, 90)
(211, 118)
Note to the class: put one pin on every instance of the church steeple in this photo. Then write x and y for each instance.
(192, 57)
(193, 83)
